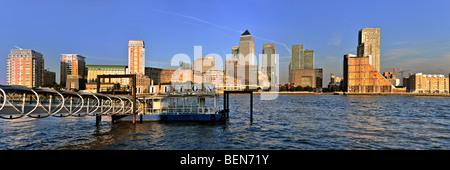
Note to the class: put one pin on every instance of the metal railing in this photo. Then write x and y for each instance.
(19, 101)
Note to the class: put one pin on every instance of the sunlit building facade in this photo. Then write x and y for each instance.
(25, 67)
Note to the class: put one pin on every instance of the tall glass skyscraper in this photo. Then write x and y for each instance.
(268, 63)
(246, 49)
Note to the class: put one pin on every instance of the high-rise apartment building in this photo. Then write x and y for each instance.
(136, 57)
(246, 49)
(73, 65)
(49, 78)
(25, 67)
(369, 44)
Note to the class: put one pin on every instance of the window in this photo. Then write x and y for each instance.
(436, 84)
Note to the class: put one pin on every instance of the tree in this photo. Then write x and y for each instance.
(299, 88)
(308, 88)
(335, 88)
(283, 88)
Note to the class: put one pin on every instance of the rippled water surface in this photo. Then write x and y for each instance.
(289, 122)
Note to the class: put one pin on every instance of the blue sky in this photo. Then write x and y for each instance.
(414, 34)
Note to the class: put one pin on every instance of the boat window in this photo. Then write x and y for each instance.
(179, 102)
(194, 101)
(209, 101)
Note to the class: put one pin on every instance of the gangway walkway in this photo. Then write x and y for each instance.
(20, 101)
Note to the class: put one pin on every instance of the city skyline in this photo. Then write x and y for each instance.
(410, 40)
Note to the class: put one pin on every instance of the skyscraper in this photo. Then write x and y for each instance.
(136, 57)
(25, 67)
(246, 49)
(369, 44)
(268, 66)
(297, 57)
(301, 68)
(235, 51)
(72, 65)
(308, 60)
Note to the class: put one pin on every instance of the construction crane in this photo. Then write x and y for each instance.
(393, 69)
(442, 71)
(401, 72)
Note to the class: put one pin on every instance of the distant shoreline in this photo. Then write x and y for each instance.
(340, 93)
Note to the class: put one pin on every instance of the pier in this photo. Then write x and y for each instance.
(20, 101)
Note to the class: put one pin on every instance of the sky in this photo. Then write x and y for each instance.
(415, 35)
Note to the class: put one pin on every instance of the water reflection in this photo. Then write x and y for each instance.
(290, 122)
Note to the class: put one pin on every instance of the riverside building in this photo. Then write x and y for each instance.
(25, 67)
(73, 71)
(428, 83)
(361, 77)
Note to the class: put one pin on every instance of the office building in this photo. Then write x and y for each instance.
(301, 68)
(308, 61)
(297, 57)
(235, 52)
(246, 68)
(231, 74)
(361, 77)
(75, 65)
(95, 70)
(268, 62)
(428, 83)
(246, 49)
(369, 44)
(201, 66)
(247, 76)
(25, 67)
(311, 77)
(300, 59)
(136, 57)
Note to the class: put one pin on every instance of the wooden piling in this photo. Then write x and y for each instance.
(98, 119)
(226, 104)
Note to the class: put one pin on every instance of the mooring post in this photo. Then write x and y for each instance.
(228, 105)
(98, 119)
(133, 91)
(251, 106)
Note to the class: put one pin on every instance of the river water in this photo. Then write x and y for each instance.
(292, 122)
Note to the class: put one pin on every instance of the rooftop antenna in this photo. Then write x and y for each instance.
(18, 48)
